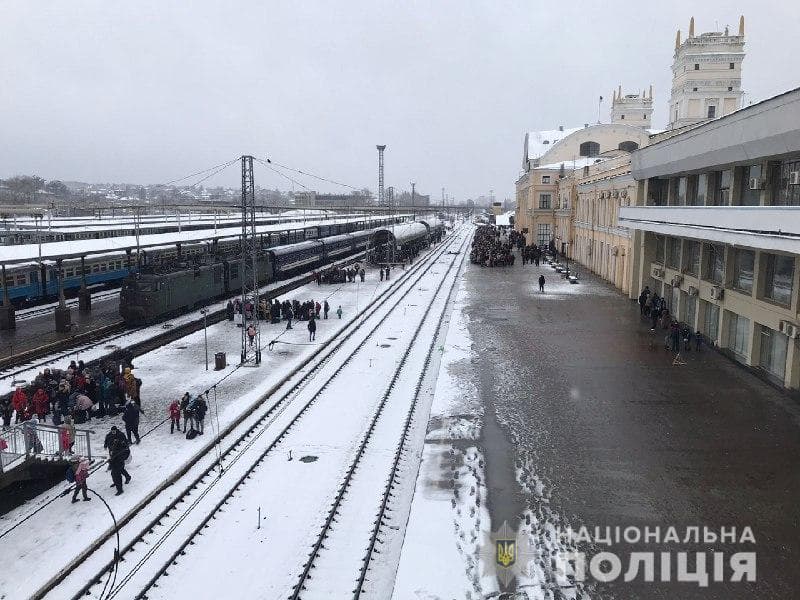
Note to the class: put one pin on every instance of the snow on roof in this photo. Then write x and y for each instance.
(504, 219)
(578, 163)
(540, 142)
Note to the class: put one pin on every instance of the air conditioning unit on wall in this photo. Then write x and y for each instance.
(656, 272)
(693, 291)
(717, 293)
(677, 280)
(789, 329)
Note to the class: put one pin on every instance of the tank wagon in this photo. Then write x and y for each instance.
(393, 244)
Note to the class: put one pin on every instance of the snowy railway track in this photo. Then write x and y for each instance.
(157, 529)
(358, 495)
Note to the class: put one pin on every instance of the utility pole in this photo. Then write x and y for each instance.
(248, 266)
(413, 194)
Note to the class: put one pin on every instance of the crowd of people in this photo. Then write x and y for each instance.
(654, 308)
(489, 250)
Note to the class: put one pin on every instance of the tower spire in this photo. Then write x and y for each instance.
(741, 25)
(678, 39)
(691, 28)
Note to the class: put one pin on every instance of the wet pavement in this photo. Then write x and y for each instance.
(604, 431)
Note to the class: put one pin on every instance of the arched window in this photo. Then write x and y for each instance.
(589, 149)
(628, 146)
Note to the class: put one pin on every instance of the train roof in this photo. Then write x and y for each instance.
(289, 248)
(22, 253)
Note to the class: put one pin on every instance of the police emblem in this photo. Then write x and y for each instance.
(506, 552)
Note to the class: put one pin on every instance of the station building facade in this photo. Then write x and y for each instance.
(716, 231)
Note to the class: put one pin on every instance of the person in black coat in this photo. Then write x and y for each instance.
(130, 416)
(119, 451)
(200, 410)
(312, 329)
(541, 283)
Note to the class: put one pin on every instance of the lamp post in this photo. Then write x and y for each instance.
(205, 334)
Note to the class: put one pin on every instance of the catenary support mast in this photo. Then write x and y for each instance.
(248, 266)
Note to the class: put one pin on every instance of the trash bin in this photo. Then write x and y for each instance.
(219, 361)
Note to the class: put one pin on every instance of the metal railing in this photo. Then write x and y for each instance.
(25, 440)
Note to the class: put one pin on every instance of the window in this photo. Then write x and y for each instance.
(682, 184)
(748, 197)
(674, 252)
(722, 188)
(545, 178)
(544, 200)
(714, 269)
(661, 248)
(711, 322)
(778, 275)
(694, 89)
(738, 334)
(622, 117)
(657, 192)
(691, 257)
(589, 149)
(784, 194)
(731, 65)
(730, 89)
(702, 188)
(696, 67)
(644, 116)
(543, 237)
(773, 352)
(712, 111)
(743, 261)
(628, 146)
(690, 312)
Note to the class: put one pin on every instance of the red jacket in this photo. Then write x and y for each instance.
(19, 400)
(174, 409)
(41, 403)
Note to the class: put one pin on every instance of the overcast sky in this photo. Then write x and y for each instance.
(150, 91)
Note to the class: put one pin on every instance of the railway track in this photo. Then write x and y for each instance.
(169, 521)
(37, 311)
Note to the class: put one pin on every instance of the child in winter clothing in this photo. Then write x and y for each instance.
(174, 416)
(81, 467)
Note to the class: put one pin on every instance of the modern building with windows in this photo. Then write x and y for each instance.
(717, 231)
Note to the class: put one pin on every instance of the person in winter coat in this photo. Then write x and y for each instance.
(81, 471)
(251, 334)
(362, 273)
(66, 435)
(339, 311)
(118, 453)
(312, 329)
(289, 317)
(229, 310)
(6, 410)
(317, 309)
(187, 413)
(200, 410)
(20, 402)
(130, 416)
(32, 441)
(381, 273)
(174, 416)
(541, 283)
(41, 403)
(326, 308)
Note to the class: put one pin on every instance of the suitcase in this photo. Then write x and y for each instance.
(191, 434)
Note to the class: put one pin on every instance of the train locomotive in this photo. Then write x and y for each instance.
(150, 295)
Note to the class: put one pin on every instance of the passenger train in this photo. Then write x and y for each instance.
(149, 295)
(34, 282)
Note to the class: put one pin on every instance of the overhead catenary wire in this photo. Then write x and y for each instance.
(273, 169)
(300, 172)
(223, 165)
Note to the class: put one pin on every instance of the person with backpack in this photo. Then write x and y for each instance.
(312, 329)
(174, 411)
(118, 451)
(130, 416)
(78, 472)
(200, 410)
(187, 416)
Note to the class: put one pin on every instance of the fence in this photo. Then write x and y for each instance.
(25, 440)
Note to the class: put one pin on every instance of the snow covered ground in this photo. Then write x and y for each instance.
(167, 373)
(448, 520)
